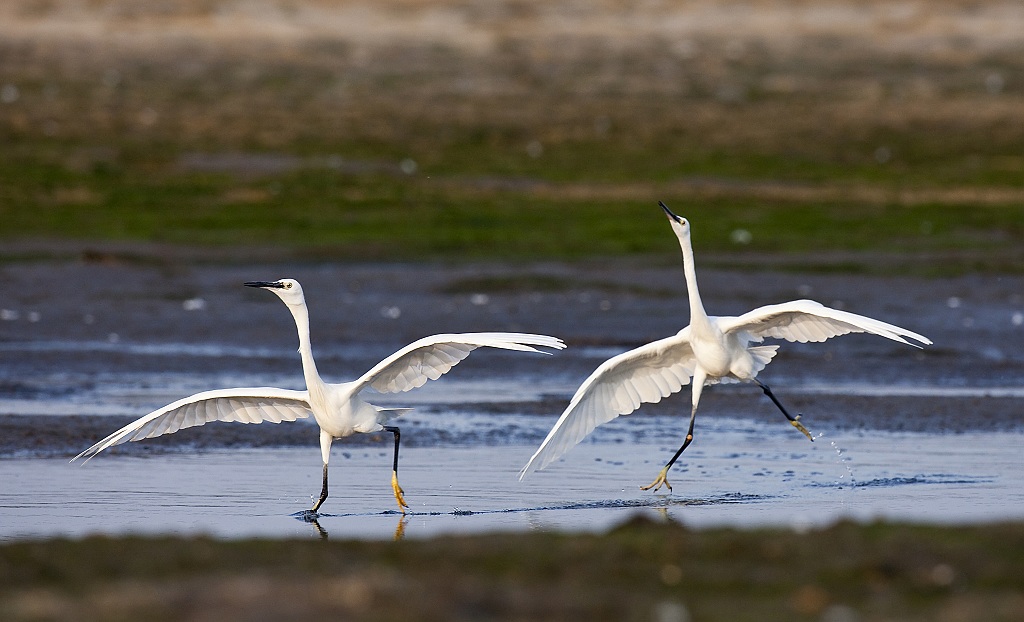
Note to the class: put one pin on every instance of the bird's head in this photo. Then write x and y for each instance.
(287, 290)
(679, 224)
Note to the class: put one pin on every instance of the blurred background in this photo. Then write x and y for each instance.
(862, 135)
(154, 154)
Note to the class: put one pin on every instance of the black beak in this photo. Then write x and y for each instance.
(275, 284)
(669, 212)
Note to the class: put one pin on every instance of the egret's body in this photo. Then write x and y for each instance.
(339, 409)
(710, 350)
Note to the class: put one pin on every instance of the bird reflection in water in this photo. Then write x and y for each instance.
(313, 518)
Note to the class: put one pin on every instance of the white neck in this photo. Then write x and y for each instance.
(301, 316)
(697, 313)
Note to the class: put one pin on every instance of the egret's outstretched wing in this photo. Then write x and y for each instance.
(430, 357)
(806, 320)
(243, 405)
(618, 387)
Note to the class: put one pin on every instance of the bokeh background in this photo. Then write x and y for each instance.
(156, 153)
(840, 134)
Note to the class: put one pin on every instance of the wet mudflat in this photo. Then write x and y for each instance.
(754, 530)
(919, 435)
(929, 437)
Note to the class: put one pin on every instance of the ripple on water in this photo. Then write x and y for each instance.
(749, 475)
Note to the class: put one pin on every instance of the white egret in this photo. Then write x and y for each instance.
(339, 409)
(709, 350)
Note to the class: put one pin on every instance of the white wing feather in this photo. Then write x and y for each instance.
(430, 357)
(806, 320)
(617, 387)
(254, 405)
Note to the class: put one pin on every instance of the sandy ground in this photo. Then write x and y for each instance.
(752, 77)
(895, 26)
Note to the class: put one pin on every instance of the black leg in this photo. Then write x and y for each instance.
(399, 493)
(795, 421)
(398, 436)
(662, 477)
(686, 443)
(323, 493)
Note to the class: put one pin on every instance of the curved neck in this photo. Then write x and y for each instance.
(309, 371)
(697, 313)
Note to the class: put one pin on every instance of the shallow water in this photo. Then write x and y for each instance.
(925, 435)
(738, 472)
(473, 431)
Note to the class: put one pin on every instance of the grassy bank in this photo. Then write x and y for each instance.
(641, 571)
(538, 132)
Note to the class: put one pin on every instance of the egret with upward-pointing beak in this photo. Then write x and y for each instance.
(339, 409)
(709, 350)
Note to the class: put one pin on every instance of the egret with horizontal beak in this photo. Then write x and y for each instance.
(339, 409)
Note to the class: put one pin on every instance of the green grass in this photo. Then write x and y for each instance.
(321, 212)
(823, 177)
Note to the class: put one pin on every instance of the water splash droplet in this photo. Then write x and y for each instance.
(844, 460)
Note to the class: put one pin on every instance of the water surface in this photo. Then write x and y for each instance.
(738, 472)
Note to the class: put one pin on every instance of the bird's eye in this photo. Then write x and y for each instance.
(287, 285)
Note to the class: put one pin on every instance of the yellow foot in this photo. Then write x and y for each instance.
(398, 492)
(799, 426)
(657, 483)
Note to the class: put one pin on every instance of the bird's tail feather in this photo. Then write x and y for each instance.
(762, 355)
(387, 414)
